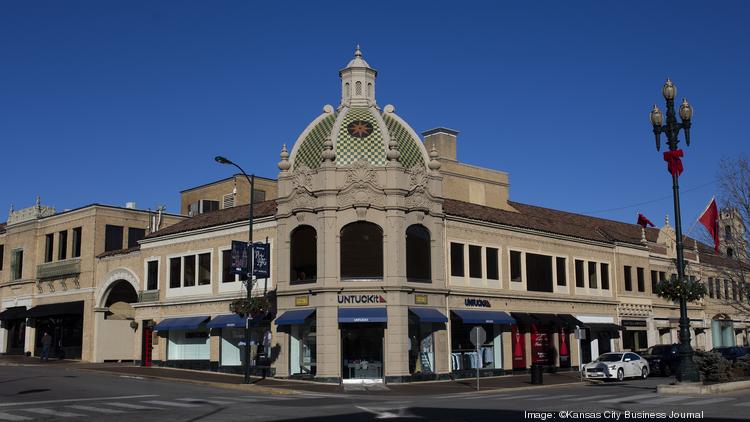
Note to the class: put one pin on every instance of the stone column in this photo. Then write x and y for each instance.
(396, 357)
(214, 349)
(329, 343)
(442, 350)
(507, 363)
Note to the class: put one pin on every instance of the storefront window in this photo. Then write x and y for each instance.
(564, 347)
(303, 348)
(232, 349)
(464, 355)
(634, 340)
(188, 345)
(362, 351)
(421, 347)
(519, 348)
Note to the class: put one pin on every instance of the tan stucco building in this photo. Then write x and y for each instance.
(385, 252)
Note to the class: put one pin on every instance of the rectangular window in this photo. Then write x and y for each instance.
(2, 256)
(604, 270)
(734, 290)
(711, 287)
(562, 278)
(204, 269)
(49, 244)
(152, 275)
(592, 275)
(112, 238)
(16, 264)
(641, 279)
(134, 235)
(628, 278)
(515, 266)
(175, 273)
(654, 280)
(62, 245)
(188, 277)
(226, 266)
(492, 266)
(742, 288)
(662, 276)
(538, 273)
(579, 274)
(475, 261)
(726, 289)
(76, 252)
(457, 259)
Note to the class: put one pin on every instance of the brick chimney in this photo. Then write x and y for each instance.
(444, 140)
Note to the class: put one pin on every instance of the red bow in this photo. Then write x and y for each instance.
(674, 164)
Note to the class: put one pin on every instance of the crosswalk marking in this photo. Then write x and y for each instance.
(708, 401)
(131, 406)
(199, 401)
(169, 403)
(665, 400)
(562, 396)
(628, 398)
(56, 413)
(8, 417)
(602, 396)
(96, 409)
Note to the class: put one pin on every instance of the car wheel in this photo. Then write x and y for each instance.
(644, 373)
(620, 374)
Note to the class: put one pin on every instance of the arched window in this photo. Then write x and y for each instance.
(730, 252)
(303, 252)
(361, 251)
(418, 253)
(347, 91)
(728, 232)
(358, 88)
(370, 93)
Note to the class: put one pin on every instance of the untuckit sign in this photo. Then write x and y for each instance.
(477, 303)
(361, 299)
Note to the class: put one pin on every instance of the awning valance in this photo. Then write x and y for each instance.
(227, 321)
(484, 317)
(522, 318)
(356, 315)
(15, 312)
(183, 323)
(55, 309)
(611, 330)
(429, 314)
(570, 321)
(294, 317)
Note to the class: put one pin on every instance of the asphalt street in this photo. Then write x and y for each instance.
(49, 393)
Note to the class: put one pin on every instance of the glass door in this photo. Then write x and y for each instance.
(362, 351)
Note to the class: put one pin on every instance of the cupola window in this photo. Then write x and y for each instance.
(358, 88)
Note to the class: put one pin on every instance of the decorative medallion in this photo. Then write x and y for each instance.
(359, 128)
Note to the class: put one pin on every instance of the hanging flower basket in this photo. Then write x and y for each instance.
(675, 290)
(254, 307)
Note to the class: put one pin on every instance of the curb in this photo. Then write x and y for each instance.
(697, 388)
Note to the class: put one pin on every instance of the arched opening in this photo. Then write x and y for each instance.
(347, 90)
(121, 295)
(361, 251)
(303, 255)
(358, 88)
(418, 263)
(730, 252)
(370, 93)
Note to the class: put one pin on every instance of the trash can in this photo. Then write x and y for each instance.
(537, 372)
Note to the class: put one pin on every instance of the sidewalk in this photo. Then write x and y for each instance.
(291, 386)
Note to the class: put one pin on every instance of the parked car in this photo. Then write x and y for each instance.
(663, 359)
(617, 366)
(731, 353)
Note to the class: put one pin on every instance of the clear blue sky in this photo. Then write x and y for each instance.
(109, 102)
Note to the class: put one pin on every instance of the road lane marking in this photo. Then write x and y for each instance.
(8, 417)
(708, 401)
(199, 401)
(628, 398)
(76, 400)
(590, 397)
(53, 412)
(665, 400)
(743, 404)
(130, 406)
(483, 397)
(523, 396)
(170, 403)
(562, 396)
(96, 409)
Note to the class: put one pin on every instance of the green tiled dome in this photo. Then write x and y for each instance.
(312, 146)
(349, 148)
(410, 148)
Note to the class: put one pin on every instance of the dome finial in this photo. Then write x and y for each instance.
(284, 164)
(434, 164)
(357, 52)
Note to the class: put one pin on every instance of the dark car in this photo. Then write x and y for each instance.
(663, 359)
(731, 353)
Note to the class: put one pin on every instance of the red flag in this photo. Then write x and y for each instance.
(710, 219)
(643, 221)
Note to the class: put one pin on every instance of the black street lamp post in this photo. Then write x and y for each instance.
(249, 283)
(687, 371)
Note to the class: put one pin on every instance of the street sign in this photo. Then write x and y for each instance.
(477, 336)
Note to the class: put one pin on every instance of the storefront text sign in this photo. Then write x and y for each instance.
(477, 303)
(361, 299)
(633, 323)
(302, 301)
(420, 299)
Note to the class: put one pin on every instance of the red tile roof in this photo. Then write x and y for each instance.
(218, 218)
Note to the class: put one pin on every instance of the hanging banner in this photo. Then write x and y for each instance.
(563, 336)
(519, 348)
(540, 345)
(239, 258)
(262, 260)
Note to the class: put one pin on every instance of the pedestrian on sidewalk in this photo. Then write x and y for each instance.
(46, 344)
